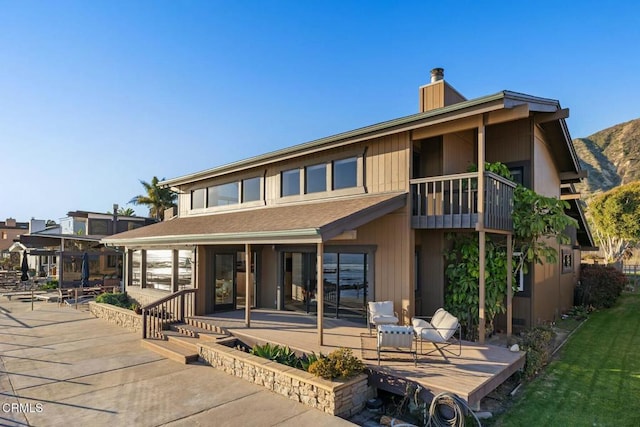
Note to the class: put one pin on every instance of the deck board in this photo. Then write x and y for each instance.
(480, 369)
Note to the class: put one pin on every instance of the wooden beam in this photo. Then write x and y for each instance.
(550, 117)
(452, 126)
(482, 234)
(570, 196)
(509, 285)
(572, 176)
(320, 291)
(247, 280)
(507, 115)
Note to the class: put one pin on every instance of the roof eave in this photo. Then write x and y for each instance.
(308, 235)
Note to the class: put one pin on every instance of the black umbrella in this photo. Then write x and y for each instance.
(24, 268)
(85, 269)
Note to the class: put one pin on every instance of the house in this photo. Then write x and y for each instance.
(365, 213)
(10, 230)
(56, 251)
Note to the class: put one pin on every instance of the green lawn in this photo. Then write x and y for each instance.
(595, 381)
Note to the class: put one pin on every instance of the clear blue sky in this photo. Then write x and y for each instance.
(97, 95)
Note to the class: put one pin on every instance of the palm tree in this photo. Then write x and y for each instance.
(157, 199)
(126, 212)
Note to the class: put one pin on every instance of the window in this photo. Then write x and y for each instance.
(567, 261)
(315, 179)
(159, 269)
(223, 195)
(197, 198)
(250, 189)
(136, 268)
(290, 182)
(185, 263)
(345, 173)
(100, 226)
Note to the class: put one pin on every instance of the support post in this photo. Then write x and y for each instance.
(509, 285)
(247, 279)
(320, 286)
(482, 235)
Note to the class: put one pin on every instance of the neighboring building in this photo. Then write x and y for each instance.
(372, 205)
(56, 251)
(10, 230)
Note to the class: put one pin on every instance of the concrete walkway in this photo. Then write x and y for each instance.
(59, 366)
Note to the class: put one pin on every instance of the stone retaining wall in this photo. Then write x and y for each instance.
(341, 398)
(119, 316)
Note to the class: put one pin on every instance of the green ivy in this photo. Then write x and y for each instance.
(537, 221)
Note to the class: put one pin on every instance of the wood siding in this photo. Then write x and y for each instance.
(546, 292)
(509, 142)
(393, 265)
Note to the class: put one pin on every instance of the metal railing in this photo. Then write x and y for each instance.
(173, 308)
(451, 201)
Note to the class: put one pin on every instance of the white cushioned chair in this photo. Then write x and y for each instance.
(438, 329)
(381, 313)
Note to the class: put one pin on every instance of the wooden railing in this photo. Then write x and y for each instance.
(451, 201)
(173, 308)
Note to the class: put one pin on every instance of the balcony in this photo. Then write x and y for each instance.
(451, 202)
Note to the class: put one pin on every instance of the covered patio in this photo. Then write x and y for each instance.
(479, 370)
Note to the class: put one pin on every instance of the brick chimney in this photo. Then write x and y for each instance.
(10, 223)
(438, 93)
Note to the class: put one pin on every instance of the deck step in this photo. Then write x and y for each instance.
(171, 350)
(197, 332)
(206, 325)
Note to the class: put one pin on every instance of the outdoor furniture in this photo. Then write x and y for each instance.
(439, 330)
(381, 313)
(398, 337)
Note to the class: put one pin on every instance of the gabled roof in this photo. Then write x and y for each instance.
(300, 223)
(498, 101)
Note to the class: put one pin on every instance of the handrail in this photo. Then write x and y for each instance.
(170, 309)
(450, 201)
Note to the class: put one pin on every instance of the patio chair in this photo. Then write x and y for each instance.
(381, 313)
(440, 329)
(398, 337)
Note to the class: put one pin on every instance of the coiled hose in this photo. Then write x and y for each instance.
(448, 410)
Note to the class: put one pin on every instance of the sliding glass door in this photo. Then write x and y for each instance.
(346, 284)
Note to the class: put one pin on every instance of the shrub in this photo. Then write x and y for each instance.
(119, 299)
(283, 355)
(308, 359)
(49, 285)
(340, 363)
(600, 285)
(538, 344)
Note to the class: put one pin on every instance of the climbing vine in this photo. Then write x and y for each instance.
(538, 221)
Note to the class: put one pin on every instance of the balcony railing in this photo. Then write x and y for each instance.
(451, 201)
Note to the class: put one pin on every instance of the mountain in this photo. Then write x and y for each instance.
(611, 157)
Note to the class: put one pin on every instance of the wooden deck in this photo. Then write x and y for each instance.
(480, 369)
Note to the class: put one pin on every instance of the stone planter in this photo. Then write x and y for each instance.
(122, 317)
(340, 398)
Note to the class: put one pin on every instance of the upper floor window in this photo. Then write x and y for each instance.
(231, 193)
(345, 173)
(315, 179)
(250, 189)
(290, 182)
(198, 198)
(223, 195)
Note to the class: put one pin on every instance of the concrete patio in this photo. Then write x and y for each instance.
(60, 366)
